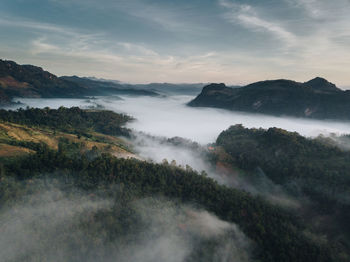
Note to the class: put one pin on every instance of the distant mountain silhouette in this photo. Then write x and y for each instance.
(321, 84)
(32, 81)
(173, 89)
(105, 87)
(316, 98)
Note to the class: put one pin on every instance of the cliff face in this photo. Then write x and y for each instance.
(316, 98)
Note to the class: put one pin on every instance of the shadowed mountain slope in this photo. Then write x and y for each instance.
(316, 98)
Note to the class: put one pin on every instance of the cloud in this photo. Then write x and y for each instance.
(169, 18)
(247, 16)
(311, 6)
(11, 21)
(322, 9)
(189, 43)
(40, 46)
(179, 230)
(167, 117)
(135, 62)
(162, 15)
(126, 58)
(53, 221)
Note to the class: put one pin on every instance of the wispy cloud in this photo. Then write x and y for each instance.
(247, 16)
(214, 41)
(169, 17)
(25, 23)
(311, 6)
(322, 9)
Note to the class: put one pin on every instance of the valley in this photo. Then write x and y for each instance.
(240, 177)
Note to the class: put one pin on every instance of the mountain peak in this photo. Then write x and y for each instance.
(213, 86)
(320, 83)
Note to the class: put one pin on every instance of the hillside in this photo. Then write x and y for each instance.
(172, 89)
(116, 185)
(311, 173)
(28, 131)
(316, 98)
(74, 197)
(105, 87)
(31, 81)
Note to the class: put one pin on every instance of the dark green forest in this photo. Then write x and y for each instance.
(315, 172)
(98, 197)
(277, 234)
(69, 120)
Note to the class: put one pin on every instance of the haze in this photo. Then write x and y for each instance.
(170, 117)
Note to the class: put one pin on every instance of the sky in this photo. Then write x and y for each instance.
(193, 41)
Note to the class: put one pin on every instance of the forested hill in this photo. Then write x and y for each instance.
(276, 234)
(316, 98)
(78, 201)
(32, 81)
(105, 87)
(68, 119)
(314, 172)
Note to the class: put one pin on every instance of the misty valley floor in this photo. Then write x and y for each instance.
(189, 201)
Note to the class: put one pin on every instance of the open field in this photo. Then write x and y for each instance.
(12, 151)
(11, 134)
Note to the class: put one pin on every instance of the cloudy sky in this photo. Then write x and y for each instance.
(231, 41)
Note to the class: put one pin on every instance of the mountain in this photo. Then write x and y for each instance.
(316, 98)
(162, 88)
(32, 81)
(173, 89)
(106, 87)
(321, 84)
(308, 173)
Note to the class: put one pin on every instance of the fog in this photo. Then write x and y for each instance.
(49, 222)
(178, 230)
(170, 117)
(164, 128)
(158, 119)
(183, 151)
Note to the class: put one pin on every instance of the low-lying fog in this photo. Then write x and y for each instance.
(158, 119)
(170, 117)
(66, 224)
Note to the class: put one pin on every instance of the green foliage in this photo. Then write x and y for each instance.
(286, 156)
(303, 167)
(277, 234)
(69, 120)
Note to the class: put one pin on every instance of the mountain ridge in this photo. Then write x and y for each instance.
(316, 98)
(33, 81)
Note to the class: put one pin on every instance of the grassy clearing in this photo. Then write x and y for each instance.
(13, 151)
(23, 133)
(10, 132)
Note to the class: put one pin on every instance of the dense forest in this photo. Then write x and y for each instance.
(69, 119)
(314, 171)
(92, 206)
(277, 234)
